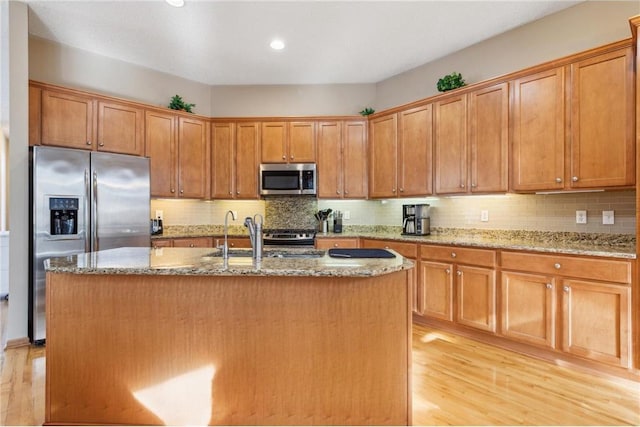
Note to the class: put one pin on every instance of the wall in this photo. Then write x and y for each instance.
(553, 212)
(55, 63)
(581, 27)
(18, 170)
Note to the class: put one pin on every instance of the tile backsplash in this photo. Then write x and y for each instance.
(552, 212)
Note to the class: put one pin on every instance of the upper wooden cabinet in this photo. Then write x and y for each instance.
(74, 120)
(234, 173)
(120, 128)
(400, 153)
(67, 120)
(342, 159)
(471, 142)
(573, 126)
(178, 148)
(288, 142)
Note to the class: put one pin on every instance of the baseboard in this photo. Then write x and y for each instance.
(17, 342)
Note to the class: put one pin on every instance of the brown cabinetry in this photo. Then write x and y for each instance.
(342, 159)
(400, 147)
(71, 119)
(193, 242)
(471, 142)
(234, 173)
(459, 284)
(178, 148)
(573, 126)
(288, 142)
(336, 242)
(234, 242)
(407, 250)
(586, 299)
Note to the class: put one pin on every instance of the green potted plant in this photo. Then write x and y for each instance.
(367, 111)
(450, 82)
(178, 104)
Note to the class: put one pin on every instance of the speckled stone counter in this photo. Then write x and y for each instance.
(590, 244)
(209, 262)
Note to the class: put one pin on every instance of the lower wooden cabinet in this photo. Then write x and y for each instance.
(336, 242)
(459, 285)
(407, 250)
(579, 305)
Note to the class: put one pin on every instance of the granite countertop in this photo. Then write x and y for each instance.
(208, 261)
(570, 243)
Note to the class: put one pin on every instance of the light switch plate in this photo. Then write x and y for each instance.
(581, 217)
(484, 216)
(159, 214)
(346, 215)
(608, 217)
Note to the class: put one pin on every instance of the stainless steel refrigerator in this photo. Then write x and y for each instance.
(82, 201)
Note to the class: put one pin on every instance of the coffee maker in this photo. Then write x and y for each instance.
(415, 220)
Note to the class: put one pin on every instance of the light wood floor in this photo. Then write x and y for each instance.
(456, 381)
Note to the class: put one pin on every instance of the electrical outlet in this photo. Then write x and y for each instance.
(346, 215)
(581, 217)
(159, 214)
(484, 216)
(608, 217)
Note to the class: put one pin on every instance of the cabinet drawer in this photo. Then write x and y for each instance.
(234, 242)
(482, 257)
(329, 243)
(587, 268)
(409, 250)
(161, 243)
(193, 242)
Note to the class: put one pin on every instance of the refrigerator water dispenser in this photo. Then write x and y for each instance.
(63, 214)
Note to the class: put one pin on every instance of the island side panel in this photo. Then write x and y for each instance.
(147, 349)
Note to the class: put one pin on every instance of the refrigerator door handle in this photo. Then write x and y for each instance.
(87, 192)
(94, 212)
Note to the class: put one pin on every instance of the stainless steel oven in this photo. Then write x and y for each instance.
(289, 238)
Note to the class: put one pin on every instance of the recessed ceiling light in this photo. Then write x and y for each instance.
(277, 44)
(175, 3)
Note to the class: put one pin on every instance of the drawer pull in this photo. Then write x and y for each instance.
(557, 266)
(549, 286)
(335, 245)
(190, 245)
(447, 271)
(566, 289)
(558, 180)
(574, 179)
(453, 255)
(459, 273)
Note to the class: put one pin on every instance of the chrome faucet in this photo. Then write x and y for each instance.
(225, 246)
(255, 234)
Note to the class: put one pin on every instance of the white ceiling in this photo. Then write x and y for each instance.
(227, 42)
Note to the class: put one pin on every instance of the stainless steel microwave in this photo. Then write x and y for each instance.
(288, 179)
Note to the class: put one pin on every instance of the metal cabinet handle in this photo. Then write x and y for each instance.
(291, 157)
(459, 273)
(173, 190)
(181, 191)
(461, 185)
(346, 192)
(232, 244)
(453, 255)
(574, 179)
(238, 192)
(335, 245)
(566, 289)
(284, 157)
(337, 191)
(558, 180)
(101, 144)
(549, 286)
(230, 193)
(473, 185)
(88, 142)
(190, 245)
(557, 266)
(447, 271)
(402, 190)
(393, 190)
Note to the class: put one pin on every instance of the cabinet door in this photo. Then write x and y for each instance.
(274, 139)
(222, 170)
(489, 139)
(597, 321)
(247, 155)
(193, 242)
(302, 142)
(451, 145)
(193, 158)
(160, 147)
(120, 128)
(537, 161)
(67, 120)
(382, 156)
(602, 121)
(476, 297)
(529, 308)
(354, 160)
(435, 291)
(415, 128)
(35, 115)
(330, 166)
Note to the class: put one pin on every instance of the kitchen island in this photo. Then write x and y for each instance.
(181, 336)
